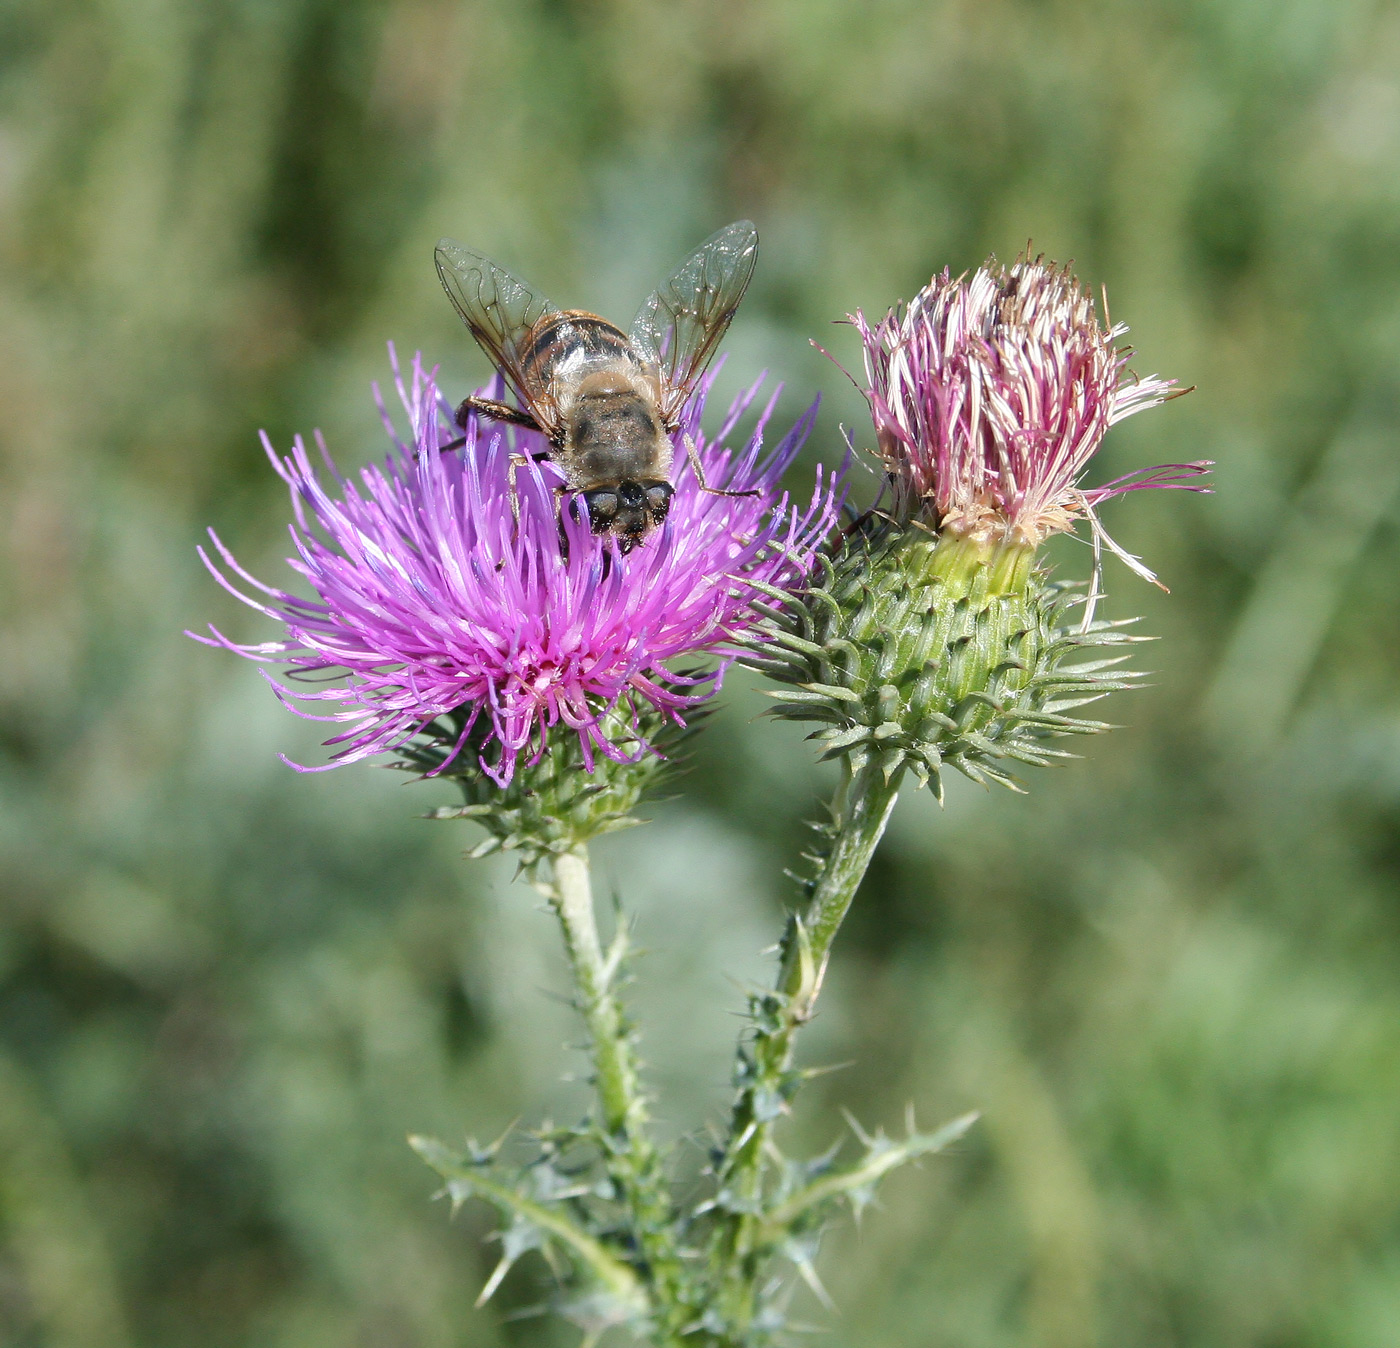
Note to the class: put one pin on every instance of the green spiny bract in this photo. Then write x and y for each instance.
(550, 1206)
(555, 804)
(918, 651)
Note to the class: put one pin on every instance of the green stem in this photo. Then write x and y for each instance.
(624, 1113)
(862, 808)
(860, 812)
(632, 1160)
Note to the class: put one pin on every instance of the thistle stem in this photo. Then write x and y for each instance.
(632, 1159)
(860, 811)
(862, 808)
(618, 1094)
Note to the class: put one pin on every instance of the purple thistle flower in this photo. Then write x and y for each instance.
(429, 597)
(991, 394)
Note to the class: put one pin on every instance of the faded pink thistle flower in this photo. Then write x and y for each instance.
(429, 599)
(990, 395)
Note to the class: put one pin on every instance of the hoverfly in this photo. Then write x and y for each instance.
(608, 402)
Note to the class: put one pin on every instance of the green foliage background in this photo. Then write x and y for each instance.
(1170, 976)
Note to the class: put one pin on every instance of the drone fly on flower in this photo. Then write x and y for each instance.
(609, 403)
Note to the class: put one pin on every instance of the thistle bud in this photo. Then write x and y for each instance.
(931, 639)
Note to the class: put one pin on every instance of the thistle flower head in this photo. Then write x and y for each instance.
(429, 599)
(991, 393)
(931, 639)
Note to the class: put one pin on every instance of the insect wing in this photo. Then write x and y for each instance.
(684, 320)
(499, 309)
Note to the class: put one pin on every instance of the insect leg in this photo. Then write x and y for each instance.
(699, 470)
(489, 407)
(517, 462)
(486, 407)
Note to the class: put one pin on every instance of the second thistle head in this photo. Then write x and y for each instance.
(932, 639)
(990, 393)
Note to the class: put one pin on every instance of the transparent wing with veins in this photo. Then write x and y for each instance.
(683, 321)
(499, 309)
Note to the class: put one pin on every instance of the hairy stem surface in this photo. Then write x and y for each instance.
(623, 1111)
(860, 811)
(632, 1159)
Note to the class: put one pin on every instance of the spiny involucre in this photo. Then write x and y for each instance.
(931, 638)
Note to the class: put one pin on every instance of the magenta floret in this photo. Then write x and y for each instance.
(427, 597)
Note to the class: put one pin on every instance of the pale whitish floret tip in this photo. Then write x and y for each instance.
(427, 597)
(991, 393)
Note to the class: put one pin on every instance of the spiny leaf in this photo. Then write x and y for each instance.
(465, 1179)
(882, 1155)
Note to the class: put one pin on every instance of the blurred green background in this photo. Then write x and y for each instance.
(1170, 976)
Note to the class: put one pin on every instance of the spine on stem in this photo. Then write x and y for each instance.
(911, 652)
(745, 1238)
(633, 1163)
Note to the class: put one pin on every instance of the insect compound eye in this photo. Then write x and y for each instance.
(659, 500)
(602, 510)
